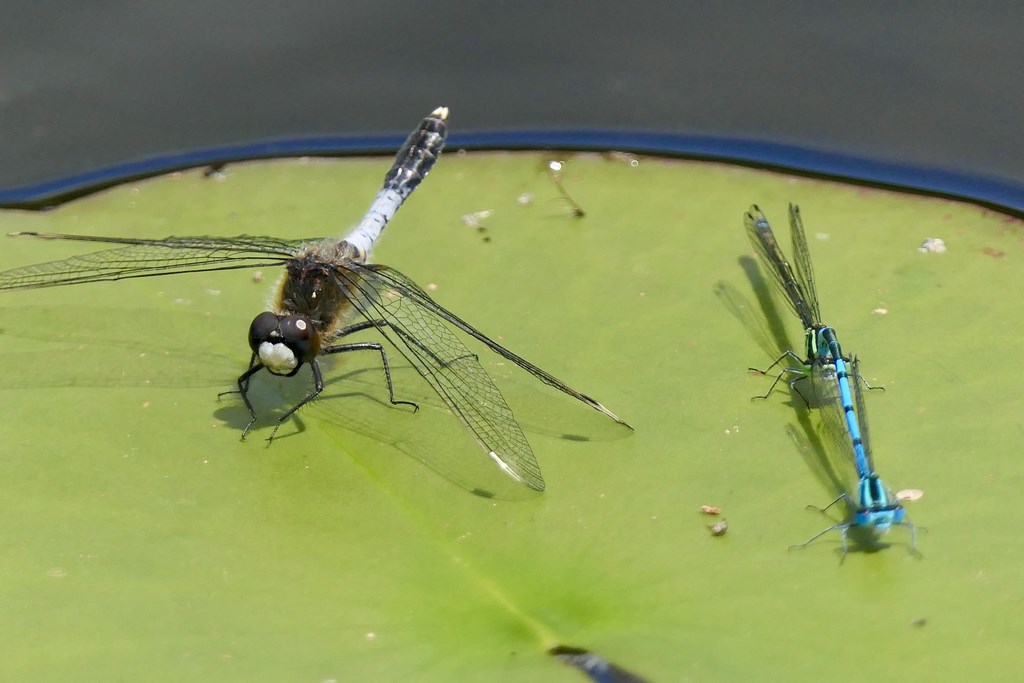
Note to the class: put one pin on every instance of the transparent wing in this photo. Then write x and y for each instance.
(422, 335)
(767, 247)
(833, 422)
(802, 256)
(402, 283)
(450, 369)
(146, 258)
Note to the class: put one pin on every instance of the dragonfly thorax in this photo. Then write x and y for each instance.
(283, 342)
(818, 341)
(317, 286)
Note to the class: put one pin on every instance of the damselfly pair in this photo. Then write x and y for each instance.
(328, 292)
(835, 382)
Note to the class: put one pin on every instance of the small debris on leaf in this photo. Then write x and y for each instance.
(719, 528)
(909, 495)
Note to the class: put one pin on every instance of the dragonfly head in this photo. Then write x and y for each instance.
(876, 508)
(283, 342)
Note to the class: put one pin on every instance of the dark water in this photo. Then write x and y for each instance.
(85, 85)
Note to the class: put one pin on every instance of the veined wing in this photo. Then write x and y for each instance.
(833, 418)
(148, 257)
(802, 256)
(446, 364)
(423, 337)
(410, 289)
(767, 247)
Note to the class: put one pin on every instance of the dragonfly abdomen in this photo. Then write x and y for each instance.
(412, 164)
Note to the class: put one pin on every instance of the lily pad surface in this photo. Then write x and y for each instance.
(143, 540)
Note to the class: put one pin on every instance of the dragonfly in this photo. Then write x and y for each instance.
(328, 291)
(821, 345)
(873, 507)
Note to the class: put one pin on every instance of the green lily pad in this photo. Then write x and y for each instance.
(144, 541)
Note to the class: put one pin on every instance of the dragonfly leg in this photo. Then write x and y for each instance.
(369, 346)
(801, 370)
(243, 389)
(243, 382)
(318, 380)
(358, 327)
(861, 377)
(840, 497)
(871, 387)
(793, 387)
(913, 532)
(409, 339)
(843, 527)
(318, 386)
(246, 375)
(788, 353)
(845, 548)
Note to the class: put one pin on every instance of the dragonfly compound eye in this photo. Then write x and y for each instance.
(300, 336)
(264, 328)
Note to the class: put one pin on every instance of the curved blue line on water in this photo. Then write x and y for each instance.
(992, 191)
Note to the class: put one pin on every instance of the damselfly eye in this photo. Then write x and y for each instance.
(300, 336)
(262, 329)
